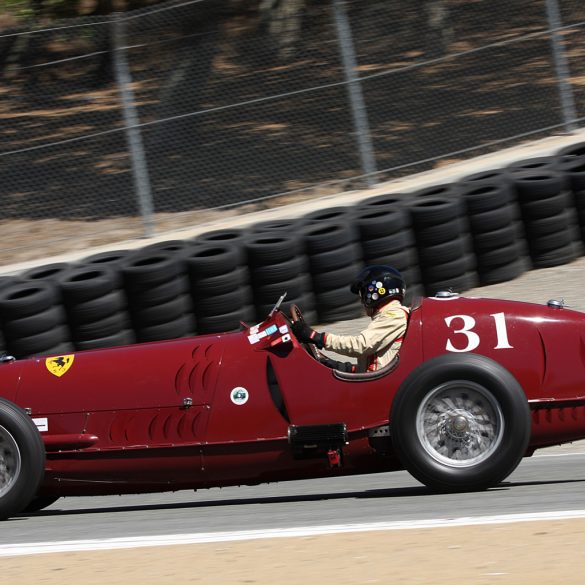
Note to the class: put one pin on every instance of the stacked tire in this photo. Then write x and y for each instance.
(33, 319)
(573, 168)
(219, 287)
(157, 289)
(386, 237)
(335, 257)
(494, 226)
(96, 307)
(549, 217)
(440, 229)
(277, 265)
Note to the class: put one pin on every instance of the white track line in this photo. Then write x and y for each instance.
(10, 550)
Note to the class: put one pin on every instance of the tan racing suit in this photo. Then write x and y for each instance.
(376, 345)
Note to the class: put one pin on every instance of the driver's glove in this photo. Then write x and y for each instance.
(307, 335)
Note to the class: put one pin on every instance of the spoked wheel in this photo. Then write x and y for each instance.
(10, 461)
(22, 459)
(297, 316)
(460, 423)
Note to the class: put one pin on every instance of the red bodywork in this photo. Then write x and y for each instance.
(216, 410)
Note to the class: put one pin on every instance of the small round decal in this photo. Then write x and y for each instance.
(239, 396)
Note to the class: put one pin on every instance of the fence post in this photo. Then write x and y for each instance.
(561, 66)
(354, 90)
(131, 124)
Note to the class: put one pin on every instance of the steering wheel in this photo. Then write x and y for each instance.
(297, 316)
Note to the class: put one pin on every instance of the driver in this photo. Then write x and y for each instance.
(381, 290)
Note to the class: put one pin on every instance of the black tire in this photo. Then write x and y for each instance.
(224, 322)
(112, 259)
(171, 246)
(212, 285)
(272, 226)
(440, 233)
(556, 257)
(499, 256)
(125, 337)
(441, 253)
(148, 269)
(532, 165)
(96, 309)
(427, 211)
(473, 382)
(42, 343)
(294, 287)
(342, 277)
(157, 294)
(494, 219)
(445, 191)
(551, 242)
(105, 327)
(232, 238)
(325, 261)
(322, 238)
(334, 314)
(538, 185)
(47, 272)
(497, 274)
(384, 201)
(23, 455)
(549, 225)
(497, 177)
(263, 249)
(224, 303)
(167, 311)
(457, 284)
(329, 214)
(280, 271)
(486, 241)
(389, 244)
(26, 298)
(180, 327)
(25, 326)
(211, 260)
(40, 503)
(545, 207)
(448, 270)
(85, 283)
(482, 197)
(377, 223)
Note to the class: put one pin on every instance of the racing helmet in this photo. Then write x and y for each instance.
(377, 284)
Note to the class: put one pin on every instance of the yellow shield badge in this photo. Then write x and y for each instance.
(59, 365)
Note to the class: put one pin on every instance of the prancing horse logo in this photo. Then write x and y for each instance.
(59, 365)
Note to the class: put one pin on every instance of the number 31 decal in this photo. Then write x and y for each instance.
(473, 339)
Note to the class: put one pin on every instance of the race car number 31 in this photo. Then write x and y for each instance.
(463, 326)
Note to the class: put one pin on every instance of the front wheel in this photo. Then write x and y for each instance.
(22, 459)
(460, 423)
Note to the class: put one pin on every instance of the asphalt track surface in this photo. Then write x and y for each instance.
(543, 483)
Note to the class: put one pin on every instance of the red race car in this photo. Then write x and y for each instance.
(478, 385)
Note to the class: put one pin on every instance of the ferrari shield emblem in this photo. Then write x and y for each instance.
(59, 365)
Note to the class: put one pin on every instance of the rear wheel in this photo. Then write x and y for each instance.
(460, 423)
(22, 459)
(40, 503)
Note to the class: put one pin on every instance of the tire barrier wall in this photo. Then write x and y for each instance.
(485, 228)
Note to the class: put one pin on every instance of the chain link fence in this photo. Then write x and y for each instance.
(134, 124)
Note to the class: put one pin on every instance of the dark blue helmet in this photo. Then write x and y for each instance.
(376, 284)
